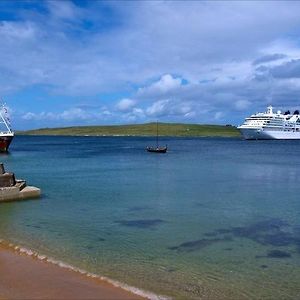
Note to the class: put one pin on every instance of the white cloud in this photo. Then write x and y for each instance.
(242, 104)
(165, 84)
(158, 108)
(72, 114)
(125, 104)
(63, 9)
(218, 115)
(81, 50)
(17, 31)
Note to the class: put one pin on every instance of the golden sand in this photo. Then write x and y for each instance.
(23, 277)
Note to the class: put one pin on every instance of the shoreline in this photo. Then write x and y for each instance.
(26, 274)
(134, 135)
(147, 129)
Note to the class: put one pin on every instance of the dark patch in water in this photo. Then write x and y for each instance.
(278, 254)
(171, 270)
(144, 223)
(137, 208)
(275, 254)
(270, 232)
(36, 226)
(273, 232)
(279, 238)
(223, 231)
(264, 266)
(33, 225)
(43, 222)
(209, 234)
(89, 247)
(197, 244)
(101, 239)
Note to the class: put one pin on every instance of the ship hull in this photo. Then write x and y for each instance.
(260, 134)
(5, 141)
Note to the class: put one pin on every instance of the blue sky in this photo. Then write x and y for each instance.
(66, 63)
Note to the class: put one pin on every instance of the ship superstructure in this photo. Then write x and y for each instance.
(272, 125)
(6, 133)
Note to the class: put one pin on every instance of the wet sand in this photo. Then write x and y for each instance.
(23, 277)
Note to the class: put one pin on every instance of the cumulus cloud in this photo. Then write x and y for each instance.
(290, 69)
(125, 104)
(10, 31)
(163, 108)
(72, 114)
(165, 84)
(268, 58)
(158, 108)
(200, 66)
(242, 104)
(63, 9)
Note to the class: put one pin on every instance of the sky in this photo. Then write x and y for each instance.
(66, 63)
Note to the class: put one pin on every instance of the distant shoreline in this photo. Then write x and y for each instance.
(141, 130)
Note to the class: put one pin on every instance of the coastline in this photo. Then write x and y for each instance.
(26, 274)
(133, 135)
(140, 130)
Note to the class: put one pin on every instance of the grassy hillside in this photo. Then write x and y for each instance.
(164, 129)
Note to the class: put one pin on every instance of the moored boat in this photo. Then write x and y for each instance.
(272, 126)
(157, 149)
(6, 134)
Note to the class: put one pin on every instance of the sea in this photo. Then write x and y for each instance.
(214, 218)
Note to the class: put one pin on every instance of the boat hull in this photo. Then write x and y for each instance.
(5, 141)
(260, 134)
(157, 150)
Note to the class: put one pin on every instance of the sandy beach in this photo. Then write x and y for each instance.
(24, 277)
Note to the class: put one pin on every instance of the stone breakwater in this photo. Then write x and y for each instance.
(12, 189)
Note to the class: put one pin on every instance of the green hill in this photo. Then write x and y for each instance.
(149, 129)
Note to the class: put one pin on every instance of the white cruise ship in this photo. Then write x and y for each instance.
(270, 125)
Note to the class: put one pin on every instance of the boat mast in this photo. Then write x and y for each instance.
(156, 134)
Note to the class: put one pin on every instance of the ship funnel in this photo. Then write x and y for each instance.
(270, 110)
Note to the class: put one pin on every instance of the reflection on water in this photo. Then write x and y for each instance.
(213, 218)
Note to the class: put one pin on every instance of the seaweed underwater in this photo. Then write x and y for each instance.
(142, 223)
(269, 232)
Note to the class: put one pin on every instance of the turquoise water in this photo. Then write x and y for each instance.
(212, 218)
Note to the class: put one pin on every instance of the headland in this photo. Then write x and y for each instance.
(149, 129)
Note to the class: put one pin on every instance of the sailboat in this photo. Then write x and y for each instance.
(157, 149)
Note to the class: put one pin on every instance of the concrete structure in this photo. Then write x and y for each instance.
(12, 189)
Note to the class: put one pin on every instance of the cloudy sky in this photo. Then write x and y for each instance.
(68, 63)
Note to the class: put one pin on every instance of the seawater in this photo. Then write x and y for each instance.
(214, 218)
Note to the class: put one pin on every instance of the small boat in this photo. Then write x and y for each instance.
(157, 149)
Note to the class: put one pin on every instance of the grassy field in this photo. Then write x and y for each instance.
(149, 129)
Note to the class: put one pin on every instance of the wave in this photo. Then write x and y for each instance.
(34, 254)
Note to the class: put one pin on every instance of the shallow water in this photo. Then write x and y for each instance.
(212, 218)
